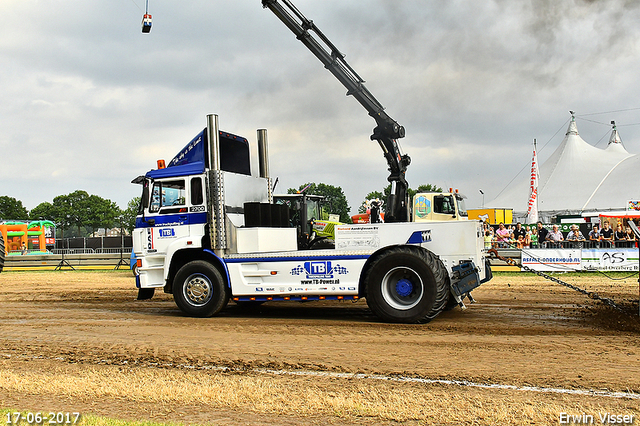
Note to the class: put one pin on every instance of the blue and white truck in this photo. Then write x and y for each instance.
(208, 230)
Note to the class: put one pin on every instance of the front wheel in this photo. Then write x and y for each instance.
(406, 285)
(199, 289)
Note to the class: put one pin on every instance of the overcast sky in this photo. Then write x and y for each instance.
(89, 102)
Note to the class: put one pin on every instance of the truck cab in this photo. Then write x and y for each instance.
(439, 206)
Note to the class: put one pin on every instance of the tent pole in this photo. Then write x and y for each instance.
(535, 149)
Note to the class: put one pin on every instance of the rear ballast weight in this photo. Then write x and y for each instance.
(196, 238)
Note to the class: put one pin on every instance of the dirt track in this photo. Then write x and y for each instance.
(58, 326)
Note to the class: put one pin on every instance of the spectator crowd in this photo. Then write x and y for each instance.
(538, 236)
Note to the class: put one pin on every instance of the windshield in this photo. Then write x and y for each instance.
(313, 210)
(462, 208)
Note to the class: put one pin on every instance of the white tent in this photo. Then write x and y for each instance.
(578, 178)
(615, 144)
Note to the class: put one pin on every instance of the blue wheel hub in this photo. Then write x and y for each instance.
(404, 287)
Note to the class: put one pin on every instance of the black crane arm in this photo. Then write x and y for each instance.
(387, 130)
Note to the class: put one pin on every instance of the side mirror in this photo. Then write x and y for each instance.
(145, 197)
(145, 202)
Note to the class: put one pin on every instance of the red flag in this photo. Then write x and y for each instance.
(532, 211)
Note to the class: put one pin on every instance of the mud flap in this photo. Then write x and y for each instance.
(488, 275)
(465, 278)
(145, 293)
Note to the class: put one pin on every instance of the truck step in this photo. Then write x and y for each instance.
(292, 298)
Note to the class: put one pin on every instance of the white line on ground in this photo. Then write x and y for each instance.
(584, 392)
(362, 376)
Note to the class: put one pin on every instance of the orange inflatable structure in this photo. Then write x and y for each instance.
(35, 236)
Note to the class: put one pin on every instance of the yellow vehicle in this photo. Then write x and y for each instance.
(492, 216)
(438, 206)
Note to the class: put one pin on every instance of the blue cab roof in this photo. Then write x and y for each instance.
(195, 168)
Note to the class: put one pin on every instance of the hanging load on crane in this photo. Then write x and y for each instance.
(146, 20)
(146, 23)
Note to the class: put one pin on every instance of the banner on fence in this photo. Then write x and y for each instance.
(552, 260)
(563, 260)
(610, 259)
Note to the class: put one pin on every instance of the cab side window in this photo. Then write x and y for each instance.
(173, 193)
(443, 204)
(196, 192)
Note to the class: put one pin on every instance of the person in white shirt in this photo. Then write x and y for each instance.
(555, 236)
(576, 236)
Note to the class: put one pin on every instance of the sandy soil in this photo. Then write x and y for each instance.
(87, 327)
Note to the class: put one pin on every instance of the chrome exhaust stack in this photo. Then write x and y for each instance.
(263, 159)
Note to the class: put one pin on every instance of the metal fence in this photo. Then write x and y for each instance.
(65, 259)
(94, 243)
(125, 250)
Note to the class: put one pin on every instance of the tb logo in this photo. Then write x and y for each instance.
(318, 269)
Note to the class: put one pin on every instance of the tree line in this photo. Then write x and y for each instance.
(80, 214)
(335, 201)
(77, 214)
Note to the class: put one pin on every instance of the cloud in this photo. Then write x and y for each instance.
(89, 102)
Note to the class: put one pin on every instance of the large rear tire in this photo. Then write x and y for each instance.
(199, 289)
(406, 285)
(444, 294)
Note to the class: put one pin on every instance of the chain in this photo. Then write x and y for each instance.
(590, 294)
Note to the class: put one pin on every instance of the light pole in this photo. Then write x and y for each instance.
(482, 197)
